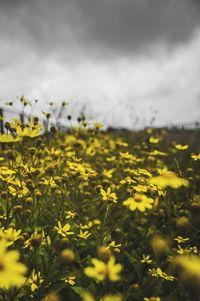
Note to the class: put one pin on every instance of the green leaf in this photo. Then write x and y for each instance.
(79, 290)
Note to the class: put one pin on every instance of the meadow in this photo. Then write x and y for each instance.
(95, 215)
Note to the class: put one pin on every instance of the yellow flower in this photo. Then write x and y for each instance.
(187, 250)
(108, 173)
(159, 245)
(140, 188)
(5, 171)
(181, 147)
(180, 239)
(18, 188)
(49, 182)
(35, 280)
(108, 195)
(83, 170)
(146, 259)
(127, 156)
(154, 140)
(139, 201)
(11, 270)
(144, 172)
(149, 130)
(110, 159)
(70, 214)
(114, 247)
(127, 180)
(84, 234)
(70, 280)
(9, 138)
(195, 157)
(158, 273)
(64, 230)
(111, 298)
(156, 152)
(88, 297)
(98, 125)
(67, 255)
(169, 178)
(190, 267)
(121, 143)
(103, 270)
(30, 131)
(87, 226)
(9, 235)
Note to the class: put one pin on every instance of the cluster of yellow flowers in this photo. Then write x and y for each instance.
(12, 272)
(92, 215)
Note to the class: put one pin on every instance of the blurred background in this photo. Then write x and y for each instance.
(126, 63)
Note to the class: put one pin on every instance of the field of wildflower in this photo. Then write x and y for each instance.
(87, 214)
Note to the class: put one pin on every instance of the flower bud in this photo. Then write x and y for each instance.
(7, 125)
(32, 151)
(10, 154)
(52, 297)
(64, 243)
(104, 253)
(38, 194)
(182, 222)
(29, 201)
(53, 129)
(67, 255)
(25, 235)
(27, 212)
(159, 245)
(36, 240)
(38, 141)
(17, 208)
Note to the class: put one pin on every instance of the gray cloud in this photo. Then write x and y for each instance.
(102, 52)
(98, 28)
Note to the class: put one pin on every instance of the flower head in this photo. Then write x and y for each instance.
(64, 230)
(11, 270)
(169, 178)
(108, 195)
(139, 201)
(102, 270)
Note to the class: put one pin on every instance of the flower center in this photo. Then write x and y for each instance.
(138, 200)
(2, 266)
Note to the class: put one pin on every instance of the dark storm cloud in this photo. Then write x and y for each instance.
(97, 27)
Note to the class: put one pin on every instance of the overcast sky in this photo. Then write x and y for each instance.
(122, 58)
